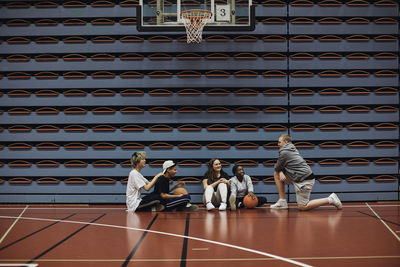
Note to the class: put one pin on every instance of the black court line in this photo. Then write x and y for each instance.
(373, 216)
(37, 231)
(65, 239)
(185, 242)
(128, 259)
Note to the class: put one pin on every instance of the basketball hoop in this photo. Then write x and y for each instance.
(194, 21)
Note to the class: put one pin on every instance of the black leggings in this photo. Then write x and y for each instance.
(148, 202)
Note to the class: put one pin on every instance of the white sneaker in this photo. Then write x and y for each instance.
(222, 206)
(335, 201)
(280, 204)
(210, 206)
(232, 202)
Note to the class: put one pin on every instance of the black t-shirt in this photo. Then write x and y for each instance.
(162, 185)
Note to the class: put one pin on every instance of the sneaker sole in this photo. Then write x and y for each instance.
(279, 208)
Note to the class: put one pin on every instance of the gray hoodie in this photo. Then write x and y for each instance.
(292, 164)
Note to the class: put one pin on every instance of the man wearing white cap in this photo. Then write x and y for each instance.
(179, 202)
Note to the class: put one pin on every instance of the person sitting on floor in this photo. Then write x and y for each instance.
(241, 185)
(172, 202)
(216, 185)
(136, 181)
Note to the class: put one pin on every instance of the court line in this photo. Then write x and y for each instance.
(52, 208)
(65, 239)
(214, 259)
(35, 232)
(202, 208)
(398, 224)
(390, 229)
(12, 225)
(128, 259)
(173, 235)
(20, 264)
(185, 242)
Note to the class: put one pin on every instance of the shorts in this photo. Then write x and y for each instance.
(303, 191)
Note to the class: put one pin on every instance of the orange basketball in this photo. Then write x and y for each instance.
(180, 190)
(249, 202)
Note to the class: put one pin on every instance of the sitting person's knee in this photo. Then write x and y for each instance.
(209, 187)
(222, 185)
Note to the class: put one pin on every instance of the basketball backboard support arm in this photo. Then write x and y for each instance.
(165, 15)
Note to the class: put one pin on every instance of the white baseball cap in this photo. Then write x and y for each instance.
(167, 164)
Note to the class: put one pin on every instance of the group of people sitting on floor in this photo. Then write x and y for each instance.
(216, 184)
(290, 168)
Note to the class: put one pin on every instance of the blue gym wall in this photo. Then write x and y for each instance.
(82, 90)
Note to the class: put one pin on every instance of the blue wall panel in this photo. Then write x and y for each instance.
(271, 90)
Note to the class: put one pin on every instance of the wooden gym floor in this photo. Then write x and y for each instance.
(362, 234)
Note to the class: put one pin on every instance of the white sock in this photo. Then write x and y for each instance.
(330, 199)
(282, 199)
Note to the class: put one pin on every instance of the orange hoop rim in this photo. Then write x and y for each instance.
(201, 14)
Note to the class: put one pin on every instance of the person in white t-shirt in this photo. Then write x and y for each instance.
(136, 181)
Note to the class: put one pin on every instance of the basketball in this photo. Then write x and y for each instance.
(180, 190)
(249, 202)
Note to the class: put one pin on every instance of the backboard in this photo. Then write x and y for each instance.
(165, 15)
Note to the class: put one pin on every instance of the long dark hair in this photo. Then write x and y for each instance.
(210, 175)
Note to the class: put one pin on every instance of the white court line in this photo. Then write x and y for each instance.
(51, 208)
(12, 225)
(20, 264)
(390, 229)
(170, 234)
(93, 208)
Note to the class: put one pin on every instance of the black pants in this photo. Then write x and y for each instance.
(148, 202)
(176, 203)
(239, 201)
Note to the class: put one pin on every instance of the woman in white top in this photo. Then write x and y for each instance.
(136, 181)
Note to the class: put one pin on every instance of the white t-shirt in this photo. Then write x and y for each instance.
(135, 182)
(240, 189)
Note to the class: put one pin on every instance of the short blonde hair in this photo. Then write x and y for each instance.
(137, 157)
(286, 138)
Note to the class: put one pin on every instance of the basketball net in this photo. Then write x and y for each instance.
(194, 21)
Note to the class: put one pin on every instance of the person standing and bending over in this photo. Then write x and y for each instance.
(215, 184)
(291, 168)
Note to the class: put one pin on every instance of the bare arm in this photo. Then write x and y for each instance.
(216, 183)
(150, 184)
(205, 184)
(179, 184)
